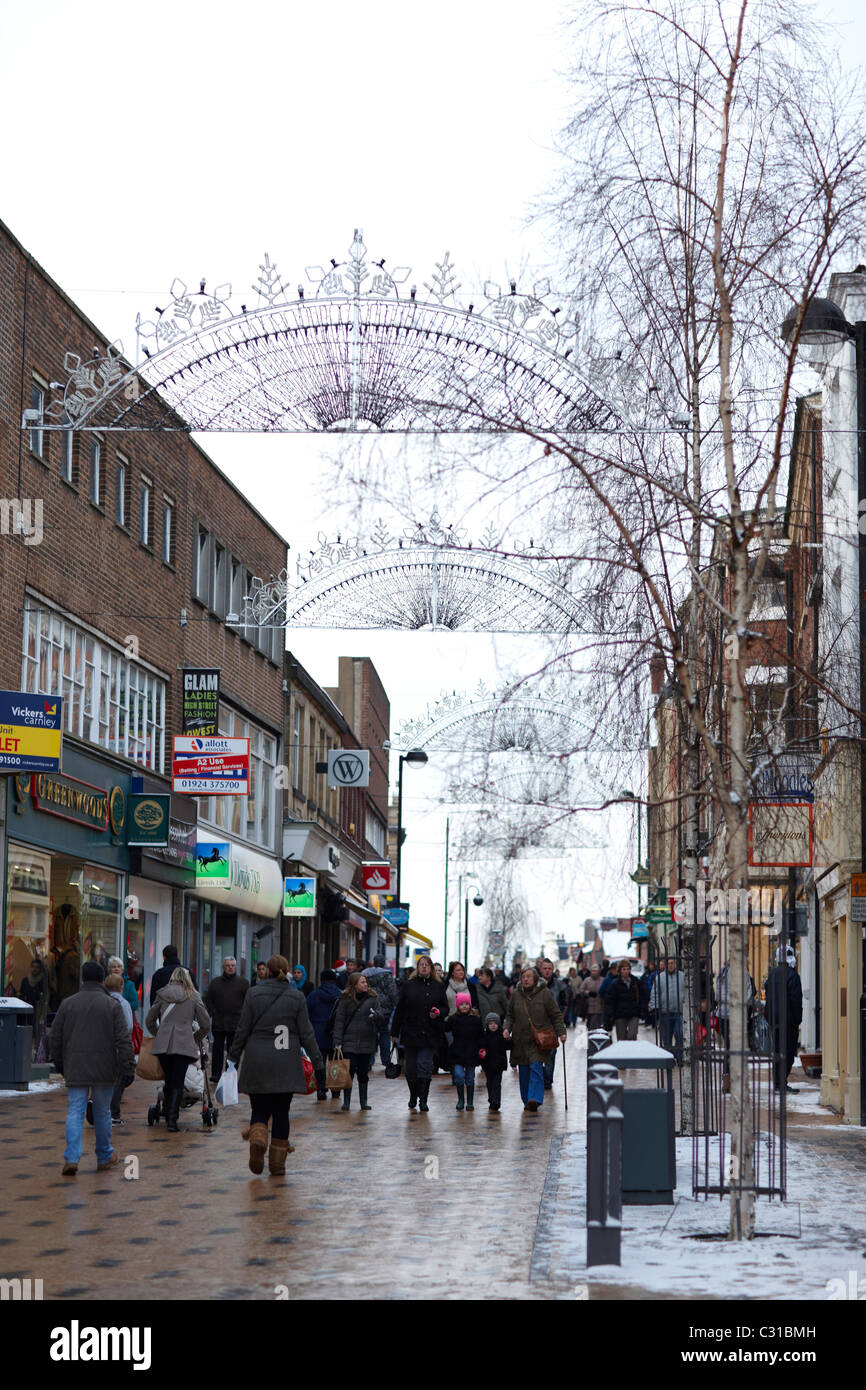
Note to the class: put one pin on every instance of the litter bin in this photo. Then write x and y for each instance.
(649, 1157)
(16, 1044)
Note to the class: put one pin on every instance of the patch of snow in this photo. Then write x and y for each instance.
(34, 1087)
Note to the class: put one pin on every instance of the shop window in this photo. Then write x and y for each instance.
(251, 818)
(60, 913)
(109, 699)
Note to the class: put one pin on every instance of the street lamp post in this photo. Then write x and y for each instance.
(824, 324)
(416, 757)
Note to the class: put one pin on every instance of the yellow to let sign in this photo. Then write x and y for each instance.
(30, 732)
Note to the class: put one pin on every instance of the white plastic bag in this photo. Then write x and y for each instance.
(227, 1087)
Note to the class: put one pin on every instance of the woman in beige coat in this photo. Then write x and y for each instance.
(175, 1012)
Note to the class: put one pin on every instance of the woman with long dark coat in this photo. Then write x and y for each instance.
(274, 1025)
(422, 1007)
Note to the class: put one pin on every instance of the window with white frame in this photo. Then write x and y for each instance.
(145, 513)
(108, 699)
(253, 818)
(67, 442)
(96, 491)
(296, 747)
(375, 833)
(37, 402)
(201, 577)
(121, 511)
(237, 590)
(168, 531)
(218, 587)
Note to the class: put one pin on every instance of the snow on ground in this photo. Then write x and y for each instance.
(34, 1086)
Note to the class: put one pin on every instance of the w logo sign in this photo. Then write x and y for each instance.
(349, 767)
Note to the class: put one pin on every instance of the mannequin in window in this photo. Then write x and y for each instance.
(67, 926)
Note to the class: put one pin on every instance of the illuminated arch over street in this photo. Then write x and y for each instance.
(361, 350)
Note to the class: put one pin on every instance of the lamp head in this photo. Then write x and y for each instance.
(478, 900)
(416, 757)
(823, 324)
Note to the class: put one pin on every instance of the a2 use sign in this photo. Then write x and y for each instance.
(210, 766)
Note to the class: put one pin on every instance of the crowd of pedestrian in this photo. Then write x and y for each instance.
(286, 1035)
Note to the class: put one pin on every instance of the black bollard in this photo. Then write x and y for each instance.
(603, 1164)
(597, 1039)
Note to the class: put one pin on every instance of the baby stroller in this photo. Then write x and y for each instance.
(196, 1091)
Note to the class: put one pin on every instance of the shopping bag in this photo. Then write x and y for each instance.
(137, 1035)
(337, 1074)
(149, 1067)
(193, 1081)
(309, 1073)
(227, 1087)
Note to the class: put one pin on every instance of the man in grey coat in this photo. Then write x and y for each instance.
(666, 999)
(90, 1044)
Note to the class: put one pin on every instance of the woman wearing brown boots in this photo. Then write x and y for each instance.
(274, 1026)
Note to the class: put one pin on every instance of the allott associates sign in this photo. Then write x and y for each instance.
(201, 701)
(31, 731)
(210, 766)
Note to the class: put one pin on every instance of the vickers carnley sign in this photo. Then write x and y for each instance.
(31, 730)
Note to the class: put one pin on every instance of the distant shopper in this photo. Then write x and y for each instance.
(300, 981)
(784, 1013)
(128, 989)
(344, 971)
(224, 1000)
(380, 979)
(492, 994)
(170, 963)
(114, 985)
(531, 1005)
(422, 1007)
(624, 1004)
(466, 1031)
(261, 972)
(180, 1021)
(356, 1027)
(322, 1007)
(589, 994)
(90, 1045)
(493, 1054)
(666, 1001)
(269, 1074)
(559, 990)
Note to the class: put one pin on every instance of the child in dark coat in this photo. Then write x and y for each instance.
(494, 1059)
(467, 1032)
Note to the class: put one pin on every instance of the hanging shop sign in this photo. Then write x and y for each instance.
(213, 863)
(349, 767)
(397, 916)
(376, 878)
(31, 732)
(299, 897)
(780, 834)
(201, 700)
(210, 766)
(858, 897)
(788, 777)
(148, 819)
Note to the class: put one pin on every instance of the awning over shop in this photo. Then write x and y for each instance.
(416, 936)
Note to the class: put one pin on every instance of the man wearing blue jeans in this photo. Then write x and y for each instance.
(91, 1046)
(666, 999)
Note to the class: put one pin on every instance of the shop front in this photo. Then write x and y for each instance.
(240, 920)
(65, 874)
(159, 875)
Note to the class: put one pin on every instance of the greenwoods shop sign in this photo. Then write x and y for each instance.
(80, 802)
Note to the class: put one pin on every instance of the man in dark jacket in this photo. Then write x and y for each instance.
(170, 963)
(90, 1044)
(492, 994)
(224, 1000)
(624, 1004)
(559, 990)
(380, 979)
(784, 1013)
(321, 1006)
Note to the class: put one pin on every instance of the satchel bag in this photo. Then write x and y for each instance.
(149, 1067)
(545, 1039)
(338, 1077)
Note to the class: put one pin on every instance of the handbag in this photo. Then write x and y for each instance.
(338, 1076)
(149, 1067)
(136, 1035)
(310, 1082)
(393, 1069)
(545, 1039)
